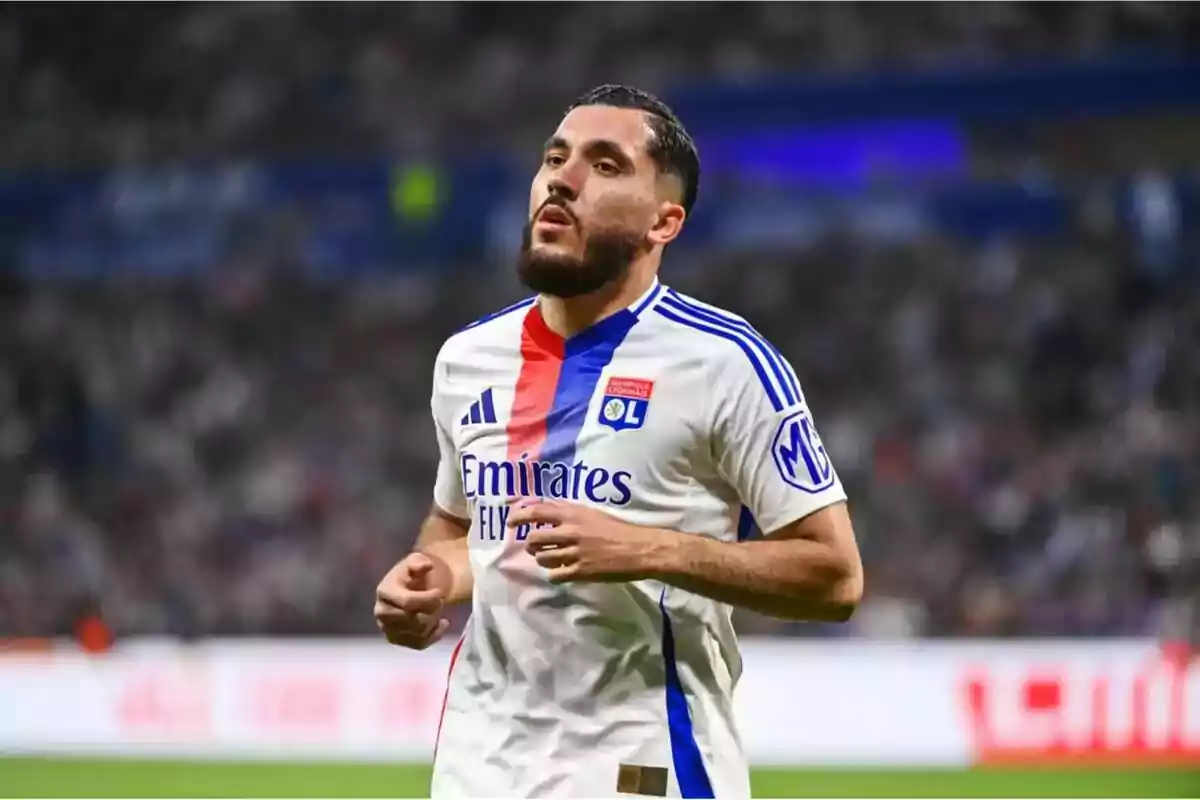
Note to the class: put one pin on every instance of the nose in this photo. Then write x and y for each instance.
(568, 180)
(562, 188)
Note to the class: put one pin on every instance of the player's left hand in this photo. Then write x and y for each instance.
(580, 543)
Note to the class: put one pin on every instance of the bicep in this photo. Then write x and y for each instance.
(822, 547)
(830, 526)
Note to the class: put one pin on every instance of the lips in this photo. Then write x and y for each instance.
(555, 215)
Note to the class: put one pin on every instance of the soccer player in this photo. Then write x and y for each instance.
(605, 447)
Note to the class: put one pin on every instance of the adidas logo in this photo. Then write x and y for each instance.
(482, 410)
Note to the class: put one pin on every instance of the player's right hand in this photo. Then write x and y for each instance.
(409, 600)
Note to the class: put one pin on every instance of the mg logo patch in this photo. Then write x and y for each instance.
(625, 403)
(799, 454)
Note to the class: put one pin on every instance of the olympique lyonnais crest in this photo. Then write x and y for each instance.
(626, 401)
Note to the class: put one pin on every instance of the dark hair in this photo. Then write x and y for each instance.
(672, 150)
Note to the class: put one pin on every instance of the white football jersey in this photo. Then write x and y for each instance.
(671, 414)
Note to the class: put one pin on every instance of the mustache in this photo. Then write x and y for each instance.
(558, 202)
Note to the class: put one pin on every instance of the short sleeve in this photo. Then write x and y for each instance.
(765, 439)
(447, 488)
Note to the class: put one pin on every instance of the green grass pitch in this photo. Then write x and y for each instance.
(110, 778)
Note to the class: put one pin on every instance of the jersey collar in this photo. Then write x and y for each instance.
(608, 330)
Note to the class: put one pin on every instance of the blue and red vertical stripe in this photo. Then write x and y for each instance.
(554, 391)
(555, 387)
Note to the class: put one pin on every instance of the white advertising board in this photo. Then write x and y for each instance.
(798, 702)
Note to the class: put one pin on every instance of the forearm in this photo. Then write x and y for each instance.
(790, 579)
(445, 537)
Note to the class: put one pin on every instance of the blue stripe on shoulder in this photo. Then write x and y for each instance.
(658, 290)
(740, 341)
(779, 365)
(528, 301)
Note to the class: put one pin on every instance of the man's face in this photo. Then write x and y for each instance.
(594, 202)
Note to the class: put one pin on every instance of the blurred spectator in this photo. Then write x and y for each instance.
(1017, 421)
(1156, 222)
(1016, 461)
(245, 79)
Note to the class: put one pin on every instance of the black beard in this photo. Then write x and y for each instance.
(606, 258)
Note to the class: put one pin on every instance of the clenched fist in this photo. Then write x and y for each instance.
(409, 600)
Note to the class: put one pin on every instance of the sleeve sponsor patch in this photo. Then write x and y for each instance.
(799, 454)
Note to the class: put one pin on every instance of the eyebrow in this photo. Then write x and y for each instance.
(555, 143)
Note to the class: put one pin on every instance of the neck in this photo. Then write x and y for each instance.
(569, 316)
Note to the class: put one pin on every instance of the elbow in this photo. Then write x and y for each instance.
(827, 584)
(841, 596)
(846, 590)
(844, 598)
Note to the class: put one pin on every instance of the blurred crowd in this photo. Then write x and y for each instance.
(1016, 423)
(205, 80)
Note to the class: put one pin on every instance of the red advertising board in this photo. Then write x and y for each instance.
(1046, 712)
